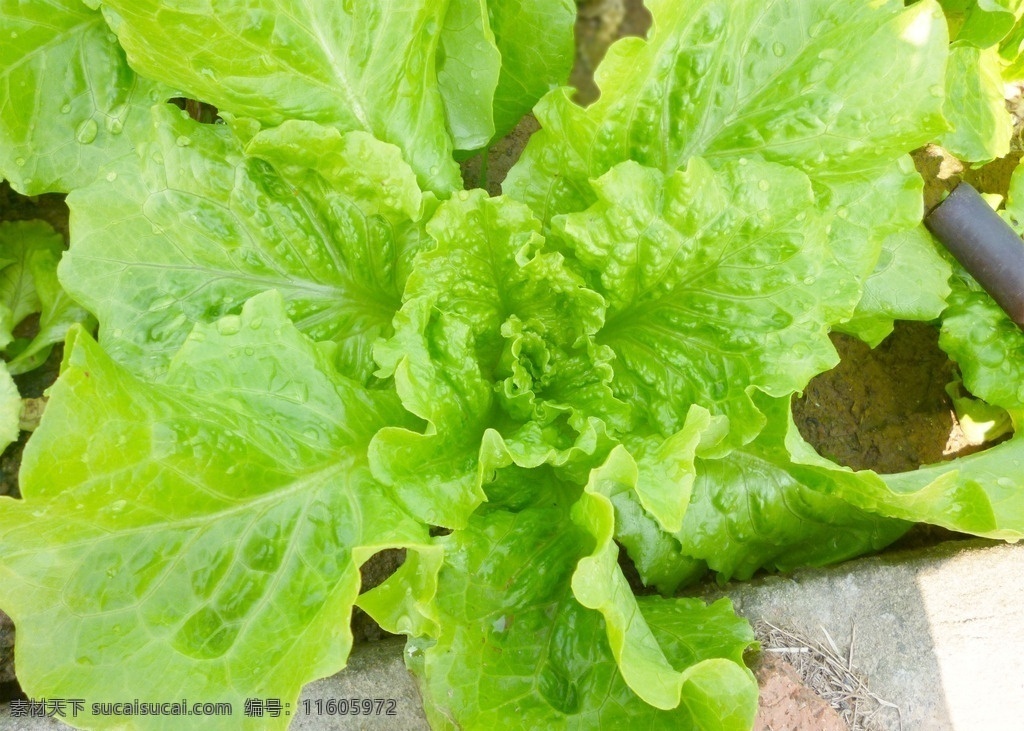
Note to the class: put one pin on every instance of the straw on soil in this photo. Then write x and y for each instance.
(833, 676)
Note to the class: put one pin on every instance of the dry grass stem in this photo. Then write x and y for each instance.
(832, 675)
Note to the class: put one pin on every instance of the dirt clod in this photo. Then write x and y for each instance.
(786, 704)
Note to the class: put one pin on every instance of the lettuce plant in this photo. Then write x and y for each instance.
(29, 252)
(315, 344)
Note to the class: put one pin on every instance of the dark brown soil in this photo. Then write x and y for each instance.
(50, 208)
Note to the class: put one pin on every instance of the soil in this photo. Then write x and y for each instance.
(787, 704)
(884, 409)
(942, 172)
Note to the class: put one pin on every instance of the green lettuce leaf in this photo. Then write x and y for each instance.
(987, 346)
(211, 527)
(756, 508)
(329, 63)
(806, 97)
(516, 650)
(493, 350)
(598, 584)
(980, 23)
(71, 103)
(857, 232)
(496, 59)
(192, 227)
(714, 284)
(1011, 48)
(910, 282)
(975, 105)
(10, 408)
(57, 311)
(488, 264)
(665, 468)
(662, 477)
(1013, 212)
(535, 38)
(26, 247)
(19, 241)
(985, 50)
(439, 382)
(468, 67)
(404, 602)
(977, 494)
(656, 554)
(985, 343)
(796, 83)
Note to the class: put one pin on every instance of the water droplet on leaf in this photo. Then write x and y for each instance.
(229, 325)
(87, 131)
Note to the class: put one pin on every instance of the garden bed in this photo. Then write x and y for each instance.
(888, 409)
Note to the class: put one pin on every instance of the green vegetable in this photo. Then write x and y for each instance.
(71, 101)
(29, 252)
(548, 662)
(28, 285)
(314, 344)
(226, 553)
(985, 52)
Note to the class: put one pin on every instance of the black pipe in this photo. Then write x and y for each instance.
(985, 246)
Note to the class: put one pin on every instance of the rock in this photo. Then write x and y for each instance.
(938, 632)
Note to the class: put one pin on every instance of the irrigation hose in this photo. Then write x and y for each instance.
(985, 246)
